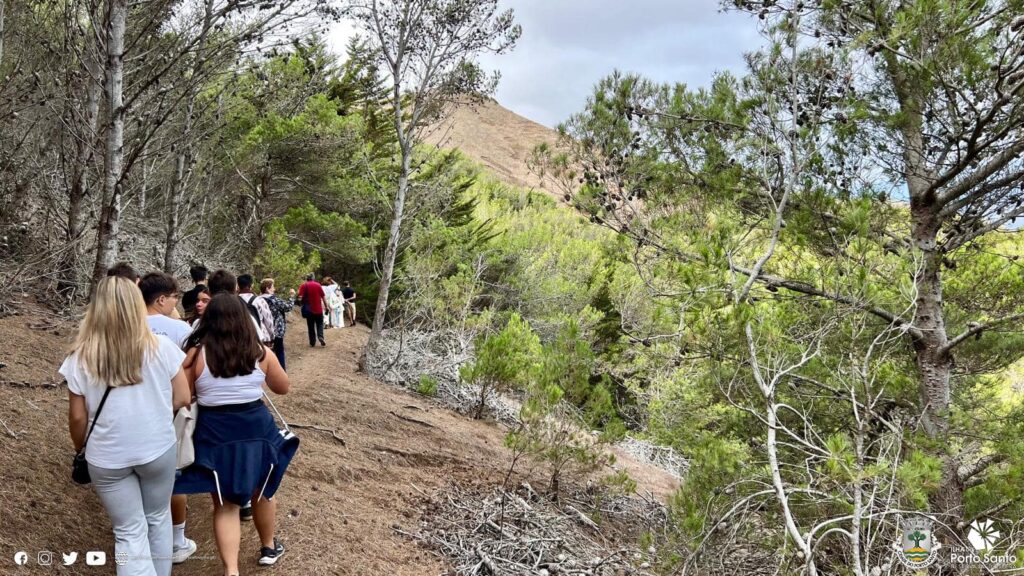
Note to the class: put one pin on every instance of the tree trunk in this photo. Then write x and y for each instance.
(391, 252)
(79, 189)
(482, 404)
(934, 363)
(2, 31)
(183, 163)
(173, 203)
(110, 218)
(145, 179)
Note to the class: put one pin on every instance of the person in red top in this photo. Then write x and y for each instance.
(314, 302)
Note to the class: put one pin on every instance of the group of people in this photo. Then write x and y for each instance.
(325, 303)
(341, 301)
(134, 365)
(268, 310)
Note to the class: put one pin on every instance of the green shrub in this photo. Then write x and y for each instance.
(427, 385)
(284, 260)
(504, 361)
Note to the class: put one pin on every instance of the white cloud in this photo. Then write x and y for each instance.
(568, 45)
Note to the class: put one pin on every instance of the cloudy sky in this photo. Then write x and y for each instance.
(568, 45)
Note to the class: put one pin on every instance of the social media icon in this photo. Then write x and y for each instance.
(21, 558)
(70, 558)
(95, 558)
(44, 558)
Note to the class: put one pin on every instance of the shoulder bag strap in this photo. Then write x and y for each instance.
(274, 408)
(96, 417)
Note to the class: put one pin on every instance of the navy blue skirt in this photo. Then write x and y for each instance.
(240, 453)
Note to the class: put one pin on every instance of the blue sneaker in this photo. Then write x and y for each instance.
(270, 556)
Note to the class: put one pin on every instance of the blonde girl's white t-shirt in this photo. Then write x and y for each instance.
(136, 424)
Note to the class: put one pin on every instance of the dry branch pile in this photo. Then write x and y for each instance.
(663, 457)
(517, 532)
(404, 356)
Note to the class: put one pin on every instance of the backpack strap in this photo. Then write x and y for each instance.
(97, 416)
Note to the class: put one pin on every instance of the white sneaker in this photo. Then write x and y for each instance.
(179, 555)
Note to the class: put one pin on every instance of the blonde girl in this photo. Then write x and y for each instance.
(132, 449)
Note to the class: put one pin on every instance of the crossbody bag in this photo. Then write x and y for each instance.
(79, 467)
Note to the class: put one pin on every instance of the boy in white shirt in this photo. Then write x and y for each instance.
(160, 292)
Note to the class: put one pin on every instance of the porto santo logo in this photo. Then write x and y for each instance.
(984, 541)
(983, 535)
(918, 549)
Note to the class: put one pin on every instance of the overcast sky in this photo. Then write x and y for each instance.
(568, 45)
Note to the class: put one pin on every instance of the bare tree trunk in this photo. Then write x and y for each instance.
(391, 252)
(437, 42)
(2, 31)
(405, 143)
(145, 178)
(79, 189)
(110, 219)
(934, 363)
(173, 202)
(183, 163)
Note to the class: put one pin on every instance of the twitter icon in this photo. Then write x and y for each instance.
(70, 558)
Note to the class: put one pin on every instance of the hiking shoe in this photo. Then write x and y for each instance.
(246, 512)
(179, 555)
(270, 556)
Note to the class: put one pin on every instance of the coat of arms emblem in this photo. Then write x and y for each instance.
(917, 548)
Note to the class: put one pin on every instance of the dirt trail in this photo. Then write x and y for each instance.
(336, 507)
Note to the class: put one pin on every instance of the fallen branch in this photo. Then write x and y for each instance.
(333, 433)
(583, 518)
(27, 384)
(10, 432)
(413, 420)
(486, 560)
(44, 326)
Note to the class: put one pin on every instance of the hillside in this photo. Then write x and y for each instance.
(345, 507)
(498, 139)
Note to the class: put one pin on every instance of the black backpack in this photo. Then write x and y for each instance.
(252, 308)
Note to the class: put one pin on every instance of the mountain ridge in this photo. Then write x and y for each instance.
(496, 138)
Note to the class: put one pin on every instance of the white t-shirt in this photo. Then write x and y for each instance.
(329, 290)
(136, 425)
(177, 330)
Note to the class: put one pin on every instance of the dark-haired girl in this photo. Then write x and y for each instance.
(240, 453)
(202, 299)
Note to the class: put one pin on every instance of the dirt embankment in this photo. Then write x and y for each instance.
(498, 139)
(336, 507)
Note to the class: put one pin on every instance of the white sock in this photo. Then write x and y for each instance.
(179, 535)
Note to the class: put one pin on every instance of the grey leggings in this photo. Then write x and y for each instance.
(138, 501)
